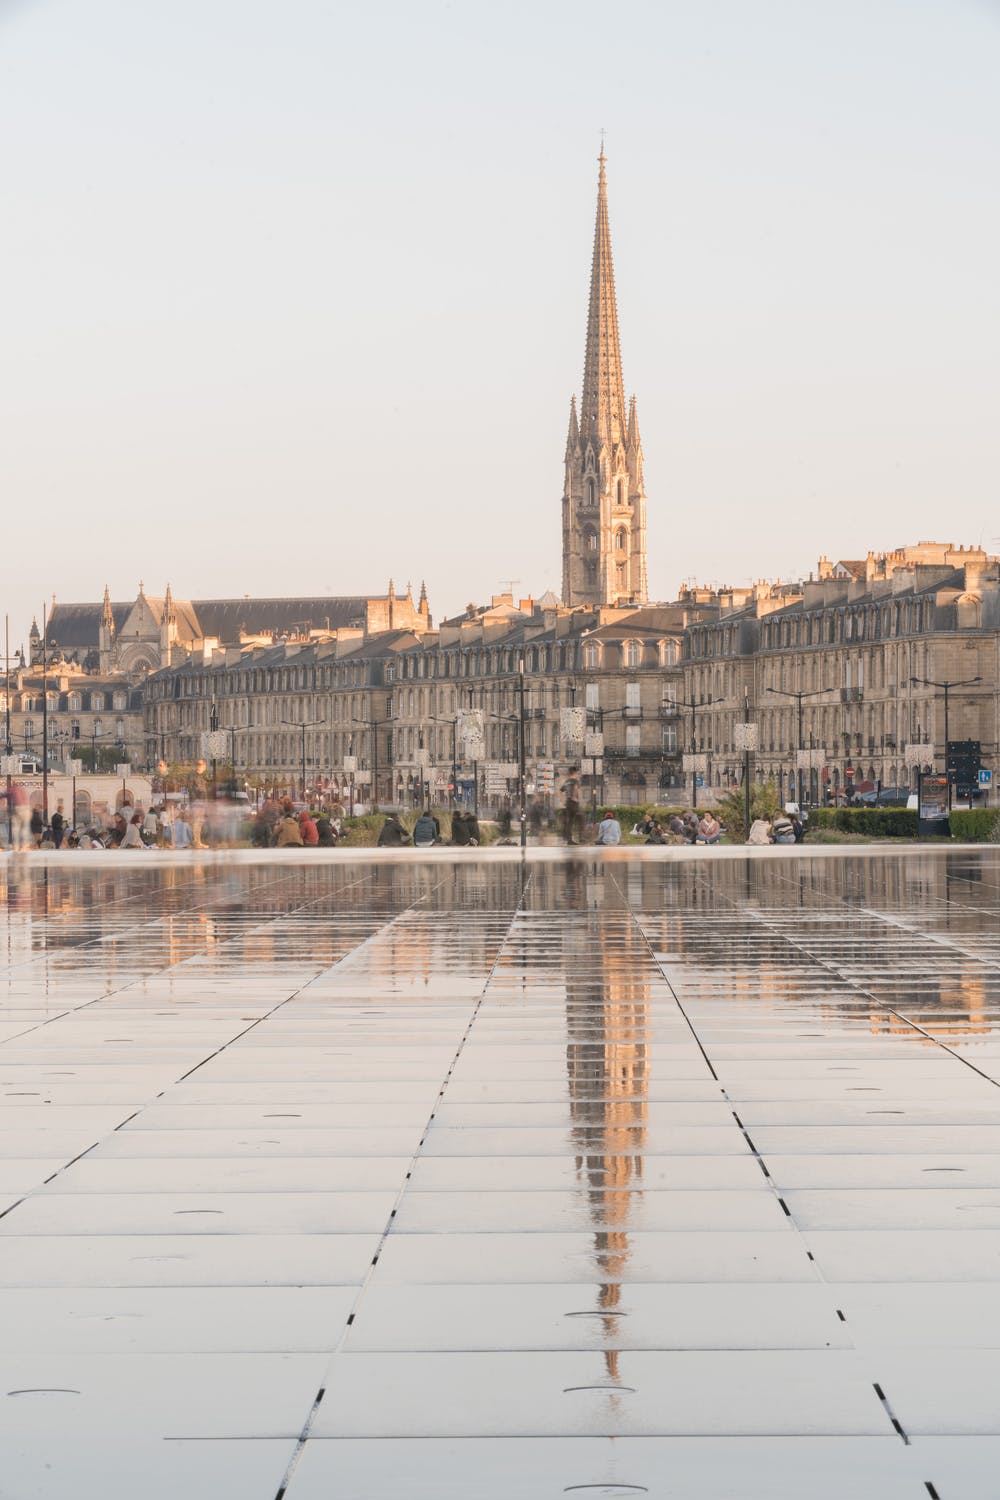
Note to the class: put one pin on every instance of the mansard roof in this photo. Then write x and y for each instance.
(76, 626)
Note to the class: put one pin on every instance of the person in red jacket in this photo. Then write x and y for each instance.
(310, 833)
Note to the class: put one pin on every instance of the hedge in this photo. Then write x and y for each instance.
(978, 825)
(876, 822)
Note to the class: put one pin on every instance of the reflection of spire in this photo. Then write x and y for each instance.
(607, 1001)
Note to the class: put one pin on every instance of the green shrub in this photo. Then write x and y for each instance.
(977, 825)
(872, 822)
(731, 811)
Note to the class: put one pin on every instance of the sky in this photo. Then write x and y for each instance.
(294, 296)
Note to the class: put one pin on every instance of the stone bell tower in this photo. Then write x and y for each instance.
(604, 498)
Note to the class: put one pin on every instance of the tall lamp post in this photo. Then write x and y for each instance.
(693, 704)
(303, 725)
(798, 696)
(375, 725)
(8, 748)
(520, 751)
(946, 688)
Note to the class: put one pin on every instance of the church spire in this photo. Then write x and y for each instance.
(107, 615)
(602, 406)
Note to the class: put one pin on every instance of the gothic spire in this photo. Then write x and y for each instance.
(167, 615)
(573, 436)
(107, 614)
(602, 406)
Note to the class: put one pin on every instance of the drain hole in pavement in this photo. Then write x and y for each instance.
(611, 1488)
(45, 1390)
(568, 1390)
(611, 1313)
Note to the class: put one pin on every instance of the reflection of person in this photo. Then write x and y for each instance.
(609, 830)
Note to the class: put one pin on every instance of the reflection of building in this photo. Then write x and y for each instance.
(606, 966)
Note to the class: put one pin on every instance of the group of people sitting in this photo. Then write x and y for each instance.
(427, 831)
(782, 829)
(278, 826)
(686, 828)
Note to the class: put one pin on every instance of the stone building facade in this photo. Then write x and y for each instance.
(849, 668)
(85, 716)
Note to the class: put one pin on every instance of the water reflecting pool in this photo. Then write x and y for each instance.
(598, 1174)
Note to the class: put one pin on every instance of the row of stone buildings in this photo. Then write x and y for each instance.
(842, 675)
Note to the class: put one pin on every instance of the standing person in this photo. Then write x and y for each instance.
(609, 829)
(22, 816)
(37, 827)
(571, 805)
(58, 826)
(151, 827)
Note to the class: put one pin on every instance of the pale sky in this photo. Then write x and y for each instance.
(295, 295)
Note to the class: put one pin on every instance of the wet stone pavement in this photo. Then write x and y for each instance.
(604, 1175)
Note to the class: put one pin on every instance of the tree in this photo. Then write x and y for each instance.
(763, 804)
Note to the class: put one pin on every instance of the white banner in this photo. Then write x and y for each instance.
(746, 736)
(593, 743)
(918, 755)
(696, 764)
(214, 744)
(350, 765)
(573, 724)
(10, 765)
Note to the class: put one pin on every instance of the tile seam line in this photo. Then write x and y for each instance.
(756, 916)
(74, 1010)
(859, 989)
(307, 1426)
(239, 1035)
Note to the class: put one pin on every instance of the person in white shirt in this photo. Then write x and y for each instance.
(609, 830)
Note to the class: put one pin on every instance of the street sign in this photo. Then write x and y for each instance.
(985, 777)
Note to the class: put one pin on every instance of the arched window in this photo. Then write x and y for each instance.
(590, 539)
(621, 539)
(620, 492)
(591, 655)
(75, 702)
(591, 490)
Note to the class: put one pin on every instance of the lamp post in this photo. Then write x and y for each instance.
(8, 746)
(798, 696)
(946, 688)
(434, 719)
(303, 725)
(520, 752)
(693, 704)
(45, 716)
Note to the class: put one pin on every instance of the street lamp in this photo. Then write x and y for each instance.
(798, 696)
(946, 688)
(693, 704)
(375, 725)
(303, 725)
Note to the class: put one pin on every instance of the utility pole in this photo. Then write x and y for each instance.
(946, 687)
(798, 696)
(746, 762)
(520, 757)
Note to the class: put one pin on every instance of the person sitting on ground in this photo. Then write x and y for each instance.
(472, 828)
(783, 831)
(675, 829)
(798, 827)
(459, 828)
(656, 833)
(310, 833)
(426, 831)
(325, 832)
(392, 833)
(132, 837)
(760, 831)
(709, 829)
(690, 826)
(609, 830)
(288, 832)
